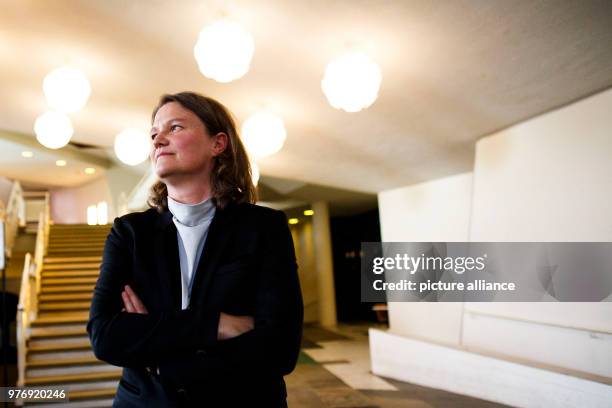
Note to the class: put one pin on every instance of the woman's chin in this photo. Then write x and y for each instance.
(163, 172)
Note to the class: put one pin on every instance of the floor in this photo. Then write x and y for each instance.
(334, 371)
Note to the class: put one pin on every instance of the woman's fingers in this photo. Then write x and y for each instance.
(127, 302)
(232, 326)
(135, 300)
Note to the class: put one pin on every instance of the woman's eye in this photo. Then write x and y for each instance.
(174, 127)
(153, 136)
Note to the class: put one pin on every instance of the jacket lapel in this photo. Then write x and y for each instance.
(168, 261)
(219, 232)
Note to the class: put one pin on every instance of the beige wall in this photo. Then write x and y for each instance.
(546, 179)
(69, 205)
(435, 211)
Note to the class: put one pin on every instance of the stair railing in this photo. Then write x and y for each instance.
(27, 310)
(42, 241)
(25, 314)
(14, 217)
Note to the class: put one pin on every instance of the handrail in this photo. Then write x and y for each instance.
(48, 221)
(39, 251)
(24, 317)
(39, 254)
(14, 216)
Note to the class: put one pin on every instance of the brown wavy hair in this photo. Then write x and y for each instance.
(231, 177)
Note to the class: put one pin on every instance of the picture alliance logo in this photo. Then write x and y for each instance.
(405, 262)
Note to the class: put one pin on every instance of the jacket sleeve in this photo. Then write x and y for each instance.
(273, 346)
(131, 339)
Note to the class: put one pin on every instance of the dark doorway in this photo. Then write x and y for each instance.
(347, 233)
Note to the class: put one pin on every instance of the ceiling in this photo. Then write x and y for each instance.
(452, 73)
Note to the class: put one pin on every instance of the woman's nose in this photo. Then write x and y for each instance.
(160, 140)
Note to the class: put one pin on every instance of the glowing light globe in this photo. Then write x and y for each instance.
(53, 129)
(351, 82)
(224, 51)
(66, 89)
(263, 134)
(132, 146)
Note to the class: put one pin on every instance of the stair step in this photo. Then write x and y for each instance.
(73, 265)
(78, 240)
(71, 288)
(81, 337)
(57, 332)
(75, 345)
(63, 362)
(94, 403)
(61, 318)
(89, 394)
(81, 228)
(54, 260)
(68, 289)
(76, 233)
(78, 224)
(35, 372)
(68, 274)
(76, 247)
(61, 297)
(77, 244)
(69, 281)
(43, 298)
(52, 356)
(87, 385)
(64, 306)
(74, 250)
(71, 251)
(74, 378)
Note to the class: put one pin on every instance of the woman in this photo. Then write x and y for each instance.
(198, 297)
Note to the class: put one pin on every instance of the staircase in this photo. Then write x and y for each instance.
(58, 350)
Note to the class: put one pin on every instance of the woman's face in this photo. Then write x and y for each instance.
(181, 144)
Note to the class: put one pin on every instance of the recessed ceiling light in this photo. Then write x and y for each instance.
(293, 220)
(90, 170)
(60, 163)
(27, 154)
(308, 212)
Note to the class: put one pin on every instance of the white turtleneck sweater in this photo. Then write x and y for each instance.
(192, 222)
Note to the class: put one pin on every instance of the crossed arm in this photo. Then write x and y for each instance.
(229, 325)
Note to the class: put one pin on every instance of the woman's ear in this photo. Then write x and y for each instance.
(220, 142)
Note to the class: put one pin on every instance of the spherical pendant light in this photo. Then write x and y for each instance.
(351, 82)
(263, 134)
(224, 51)
(66, 89)
(53, 129)
(132, 146)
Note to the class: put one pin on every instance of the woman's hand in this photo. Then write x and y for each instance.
(132, 302)
(232, 326)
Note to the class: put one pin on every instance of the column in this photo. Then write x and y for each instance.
(324, 264)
